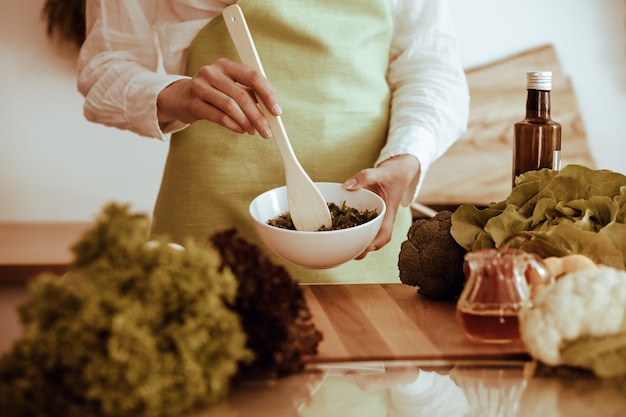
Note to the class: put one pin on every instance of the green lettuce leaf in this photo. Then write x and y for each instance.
(575, 210)
(605, 356)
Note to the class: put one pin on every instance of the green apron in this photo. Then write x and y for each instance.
(328, 60)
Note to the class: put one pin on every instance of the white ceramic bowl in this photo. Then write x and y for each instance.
(317, 250)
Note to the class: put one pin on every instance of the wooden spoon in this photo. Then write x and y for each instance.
(309, 211)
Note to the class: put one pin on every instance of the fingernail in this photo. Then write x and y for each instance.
(349, 184)
(277, 109)
(266, 133)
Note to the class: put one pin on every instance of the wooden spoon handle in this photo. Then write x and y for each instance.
(240, 34)
(308, 208)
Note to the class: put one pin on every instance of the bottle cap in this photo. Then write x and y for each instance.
(539, 80)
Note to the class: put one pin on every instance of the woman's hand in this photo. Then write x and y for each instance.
(389, 180)
(224, 93)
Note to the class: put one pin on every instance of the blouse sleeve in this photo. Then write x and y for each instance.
(430, 97)
(118, 66)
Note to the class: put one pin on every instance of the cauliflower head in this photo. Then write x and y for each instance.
(580, 320)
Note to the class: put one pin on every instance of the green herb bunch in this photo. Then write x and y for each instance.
(132, 330)
(343, 217)
(577, 210)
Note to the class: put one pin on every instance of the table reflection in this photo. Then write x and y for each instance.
(493, 391)
(378, 389)
(391, 389)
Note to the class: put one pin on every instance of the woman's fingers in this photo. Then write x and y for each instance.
(225, 93)
(389, 180)
(232, 88)
(223, 103)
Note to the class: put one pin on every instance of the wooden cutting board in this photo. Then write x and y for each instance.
(477, 168)
(378, 322)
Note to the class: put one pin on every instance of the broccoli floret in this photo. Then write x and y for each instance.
(431, 259)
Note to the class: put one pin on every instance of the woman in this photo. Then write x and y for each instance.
(370, 91)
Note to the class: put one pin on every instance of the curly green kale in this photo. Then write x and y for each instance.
(431, 260)
(132, 330)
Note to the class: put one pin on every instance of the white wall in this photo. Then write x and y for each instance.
(55, 166)
(590, 40)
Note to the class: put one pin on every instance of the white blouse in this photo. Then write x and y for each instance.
(135, 48)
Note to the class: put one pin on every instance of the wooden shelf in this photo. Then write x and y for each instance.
(28, 249)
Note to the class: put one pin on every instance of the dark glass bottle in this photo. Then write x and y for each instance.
(537, 139)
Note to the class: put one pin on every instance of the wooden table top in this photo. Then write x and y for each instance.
(360, 322)
(392, 329)
(383, 322)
